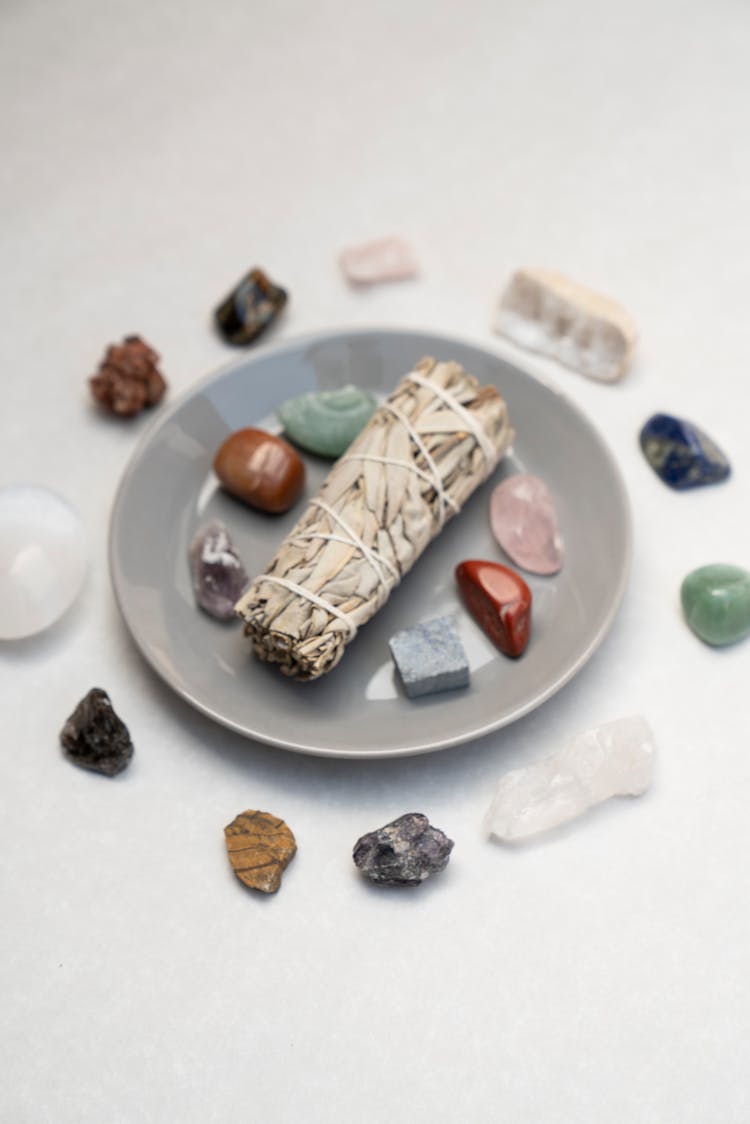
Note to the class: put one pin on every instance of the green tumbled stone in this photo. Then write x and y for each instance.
(327, 421)
(716, 603)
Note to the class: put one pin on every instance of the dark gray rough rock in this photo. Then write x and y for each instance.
(403, 853)
(95, 738)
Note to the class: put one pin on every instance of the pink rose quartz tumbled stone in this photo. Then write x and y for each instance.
(388, 259)
(524, 522)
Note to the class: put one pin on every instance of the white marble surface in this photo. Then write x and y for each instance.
(151, 151)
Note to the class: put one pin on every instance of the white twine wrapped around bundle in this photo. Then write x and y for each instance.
(436, 438)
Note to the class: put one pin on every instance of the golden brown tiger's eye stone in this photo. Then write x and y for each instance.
(260, 469)
(260, 847)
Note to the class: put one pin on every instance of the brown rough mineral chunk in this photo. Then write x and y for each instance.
(250, 308)
(260, 847)
(128, 379)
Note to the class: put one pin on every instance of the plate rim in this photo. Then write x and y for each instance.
(429, 746)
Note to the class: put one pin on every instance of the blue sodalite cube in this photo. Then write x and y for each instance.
(681, 454)
(430, 657)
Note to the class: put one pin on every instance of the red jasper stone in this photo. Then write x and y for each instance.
(500, 602)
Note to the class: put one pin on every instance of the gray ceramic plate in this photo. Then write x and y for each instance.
(359, 710)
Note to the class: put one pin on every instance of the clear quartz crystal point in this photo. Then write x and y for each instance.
(616, 759)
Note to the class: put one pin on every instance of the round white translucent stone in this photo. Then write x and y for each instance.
(43, 559)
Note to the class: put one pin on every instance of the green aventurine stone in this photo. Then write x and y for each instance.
(716, 603)
(327, 421)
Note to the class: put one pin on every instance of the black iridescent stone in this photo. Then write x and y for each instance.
(95, 738)
(403, 853)
(681, 454)
(250, 308)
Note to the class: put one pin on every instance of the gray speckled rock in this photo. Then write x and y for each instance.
(430, 657)
(403, 853)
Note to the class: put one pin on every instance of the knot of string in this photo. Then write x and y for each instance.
(471, 423)
(437, 481)
(377, 561)
(314, 599)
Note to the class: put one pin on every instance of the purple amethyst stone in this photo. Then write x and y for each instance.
(217, 574)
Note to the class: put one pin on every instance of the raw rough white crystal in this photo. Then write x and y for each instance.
(388, 259)
(543, 311)
(616, 759)
(43, 559)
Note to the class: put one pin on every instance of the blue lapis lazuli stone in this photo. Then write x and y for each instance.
(681, 454)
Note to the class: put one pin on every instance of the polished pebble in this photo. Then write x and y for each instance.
(43, 559)
(216, 571)
(716, 603)
(499, 600)
(681, 454)
(260, 469)
(524, 522)
(327, 421)
(250, 308)
(386, 259)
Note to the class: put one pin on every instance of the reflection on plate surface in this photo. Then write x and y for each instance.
(358, 710)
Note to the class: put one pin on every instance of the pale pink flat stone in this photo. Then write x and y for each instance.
(523, 520)
(388, 259)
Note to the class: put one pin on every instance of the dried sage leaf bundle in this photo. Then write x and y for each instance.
(434, 440)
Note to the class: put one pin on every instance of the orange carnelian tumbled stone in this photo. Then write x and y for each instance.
(260, 469)
(500, 602)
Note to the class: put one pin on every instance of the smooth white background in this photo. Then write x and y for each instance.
(151, 152)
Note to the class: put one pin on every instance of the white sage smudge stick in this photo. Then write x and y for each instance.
(435, 439)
